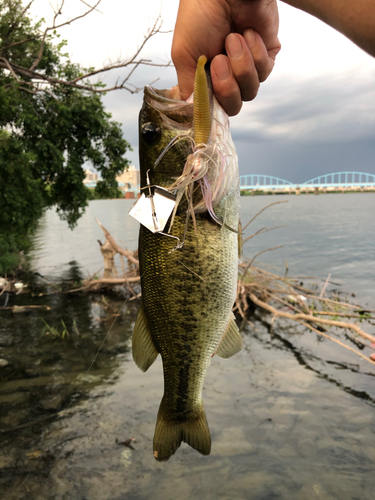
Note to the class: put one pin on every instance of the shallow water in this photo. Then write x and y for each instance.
(291, 416)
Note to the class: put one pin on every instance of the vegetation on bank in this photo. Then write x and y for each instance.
(47, 133)
(52, 123)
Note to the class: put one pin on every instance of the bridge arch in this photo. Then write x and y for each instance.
(253, 180)
(342, 178)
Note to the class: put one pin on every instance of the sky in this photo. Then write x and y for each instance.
(314, 115)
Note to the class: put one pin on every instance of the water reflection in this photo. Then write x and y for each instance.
(279, 431)
(45, 372)
(309, 351)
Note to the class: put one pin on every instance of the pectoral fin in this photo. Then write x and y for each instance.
(144, 350)
(231, 343)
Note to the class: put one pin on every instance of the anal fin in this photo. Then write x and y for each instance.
(144, 350)
(231, 343)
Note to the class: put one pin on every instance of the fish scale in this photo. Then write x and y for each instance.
(188, 292)
(190, 284)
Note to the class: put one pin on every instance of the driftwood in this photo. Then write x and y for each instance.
(126, 253)
(111, 277)
(306, 319)
(274, 294)
(282, 297)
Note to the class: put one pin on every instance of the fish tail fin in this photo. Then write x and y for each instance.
(195, 433)
(169, 434)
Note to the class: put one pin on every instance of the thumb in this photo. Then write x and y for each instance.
(185, 65)
(185, 77)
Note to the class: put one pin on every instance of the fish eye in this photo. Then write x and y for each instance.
(150, 133)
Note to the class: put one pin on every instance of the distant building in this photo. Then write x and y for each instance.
(131, 176)
(90, 178)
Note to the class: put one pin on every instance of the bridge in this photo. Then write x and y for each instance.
(332, 181)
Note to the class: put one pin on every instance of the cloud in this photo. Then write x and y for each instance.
(298, 162)
(328, 108)
(302, 127)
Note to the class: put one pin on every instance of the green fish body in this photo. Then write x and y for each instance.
(187, 293)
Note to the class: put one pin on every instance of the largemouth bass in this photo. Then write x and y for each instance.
(189, 273)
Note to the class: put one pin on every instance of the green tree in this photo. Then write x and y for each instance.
(52, 122)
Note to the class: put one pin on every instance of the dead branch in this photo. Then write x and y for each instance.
(38, 81)
(104, 281)
(116, 281)
(346, 315)
(125, 253)
(333, 302)
(263, 251)
(261, 231)
(263, 209)
(109, 249)
(108, 253)
(325, 286)
(156, 28)
(332, 339)
(309, 318)
(21, 309)
(257, 286)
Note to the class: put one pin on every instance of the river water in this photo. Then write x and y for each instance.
(291, 416)
(326, 234)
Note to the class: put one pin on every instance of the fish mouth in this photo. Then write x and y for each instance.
(167, 103)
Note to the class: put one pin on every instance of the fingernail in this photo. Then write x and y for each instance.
(221, 67)
(234, 46)
(249, 36)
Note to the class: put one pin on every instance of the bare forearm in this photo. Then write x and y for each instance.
(353, 18)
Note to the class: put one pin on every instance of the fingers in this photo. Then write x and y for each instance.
(237, 76)
(225, 86)
(264, 60)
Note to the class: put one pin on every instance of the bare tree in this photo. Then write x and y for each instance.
(33, 79)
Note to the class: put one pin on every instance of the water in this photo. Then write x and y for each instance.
(55, 246)
(326, 234)
(290, 416)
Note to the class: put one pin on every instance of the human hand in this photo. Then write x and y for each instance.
(239, 37)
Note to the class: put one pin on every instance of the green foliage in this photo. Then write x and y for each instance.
(48, 132)
(54, 333)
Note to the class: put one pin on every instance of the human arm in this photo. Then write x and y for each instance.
(353, 18)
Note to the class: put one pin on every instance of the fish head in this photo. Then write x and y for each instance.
(165, 136)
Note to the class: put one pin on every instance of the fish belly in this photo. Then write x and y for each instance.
(187, 296)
